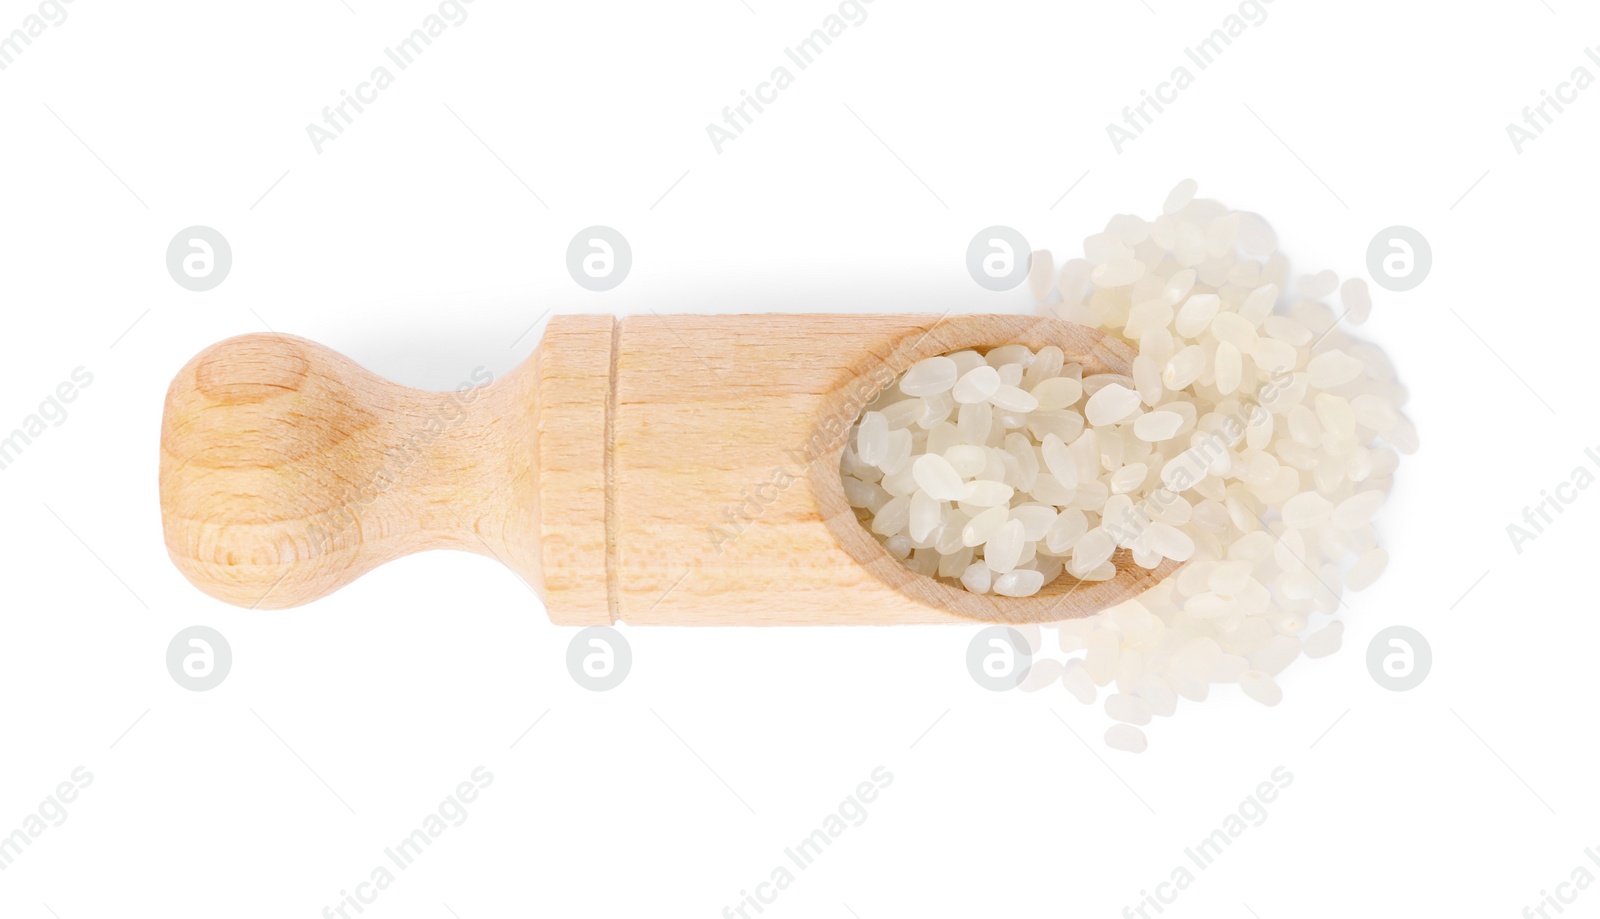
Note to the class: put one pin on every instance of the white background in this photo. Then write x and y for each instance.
(422, 251)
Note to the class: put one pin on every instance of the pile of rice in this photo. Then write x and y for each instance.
(1252, 440)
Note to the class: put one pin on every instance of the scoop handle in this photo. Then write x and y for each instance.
(288, 471)
(661, 470)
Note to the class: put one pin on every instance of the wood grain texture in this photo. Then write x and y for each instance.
(574, 373)
(287, 471)
(664, 470)
(731, 508)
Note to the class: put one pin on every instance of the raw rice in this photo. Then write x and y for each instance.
(1252, 440)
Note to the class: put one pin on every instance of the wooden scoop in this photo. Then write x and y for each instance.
(678, 470)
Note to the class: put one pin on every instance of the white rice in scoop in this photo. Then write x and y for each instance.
(1252, 440)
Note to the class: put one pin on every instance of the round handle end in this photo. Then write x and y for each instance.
(287, 471)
